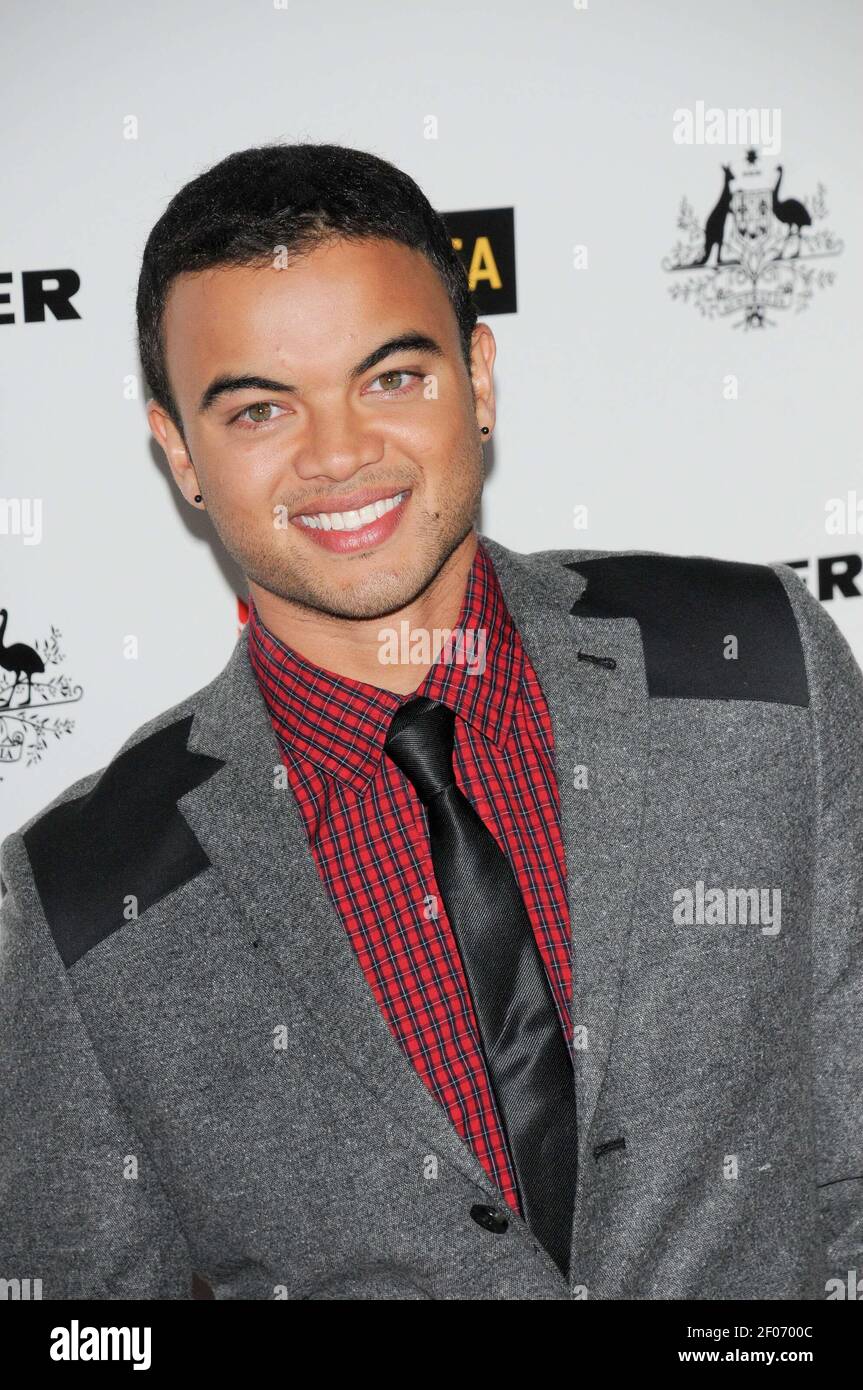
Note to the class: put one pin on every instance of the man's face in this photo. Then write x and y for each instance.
(320, 432)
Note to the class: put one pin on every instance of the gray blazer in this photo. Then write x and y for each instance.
(194, 1073)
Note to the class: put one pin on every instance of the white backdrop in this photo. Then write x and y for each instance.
(679, 427)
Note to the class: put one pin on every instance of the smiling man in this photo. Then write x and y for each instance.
(348, 360)
(361, 972)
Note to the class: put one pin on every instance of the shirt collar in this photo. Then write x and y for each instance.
(340, 724)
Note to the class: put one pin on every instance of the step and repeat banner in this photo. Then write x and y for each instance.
(658, 207)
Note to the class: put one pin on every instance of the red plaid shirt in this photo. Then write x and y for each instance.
(368, 833)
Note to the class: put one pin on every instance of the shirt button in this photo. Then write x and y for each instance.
(489, 1218)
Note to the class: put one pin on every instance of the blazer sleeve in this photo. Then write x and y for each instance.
(836, 700)
(82, 1206)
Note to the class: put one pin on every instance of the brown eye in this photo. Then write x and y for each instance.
(256, 416)
(398, 381)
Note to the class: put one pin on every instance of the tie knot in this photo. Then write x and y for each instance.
(420, 742)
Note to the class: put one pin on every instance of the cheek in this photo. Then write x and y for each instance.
(433, 436)
(438, 420)
(247, 474)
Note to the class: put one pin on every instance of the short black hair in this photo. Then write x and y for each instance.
(242, 210)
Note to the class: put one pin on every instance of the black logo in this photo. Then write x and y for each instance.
(41, 290)
(759, 251)
(485, 242)
(24, 729)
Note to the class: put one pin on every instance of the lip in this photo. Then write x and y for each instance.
(353, 503)
(365, 537)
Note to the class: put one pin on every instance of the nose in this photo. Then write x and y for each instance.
(338, 442)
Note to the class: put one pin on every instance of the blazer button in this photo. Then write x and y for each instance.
(489, 1218)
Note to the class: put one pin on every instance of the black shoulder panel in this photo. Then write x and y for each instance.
(126, 836)
(687, 607)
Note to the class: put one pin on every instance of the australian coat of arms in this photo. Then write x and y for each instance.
(758, 252)
(24, 727)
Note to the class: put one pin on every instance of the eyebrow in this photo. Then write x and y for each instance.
(405, 342)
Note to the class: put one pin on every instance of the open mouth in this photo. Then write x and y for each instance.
(348, 531)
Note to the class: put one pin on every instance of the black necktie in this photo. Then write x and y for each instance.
(526, 1054)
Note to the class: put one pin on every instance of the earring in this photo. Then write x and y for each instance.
(485, 429)
(198, 497)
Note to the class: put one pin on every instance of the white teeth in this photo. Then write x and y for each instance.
(352, 521)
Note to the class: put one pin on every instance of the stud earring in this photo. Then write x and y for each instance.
(485, 429)
(198, 497)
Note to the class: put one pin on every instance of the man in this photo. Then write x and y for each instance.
(490, 926)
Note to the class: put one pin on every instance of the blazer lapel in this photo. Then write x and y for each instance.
(600, 720)
(251, 830)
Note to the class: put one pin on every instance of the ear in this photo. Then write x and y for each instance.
(172, 444)
(483, 350)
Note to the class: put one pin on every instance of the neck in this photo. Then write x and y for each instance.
(352, 647)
